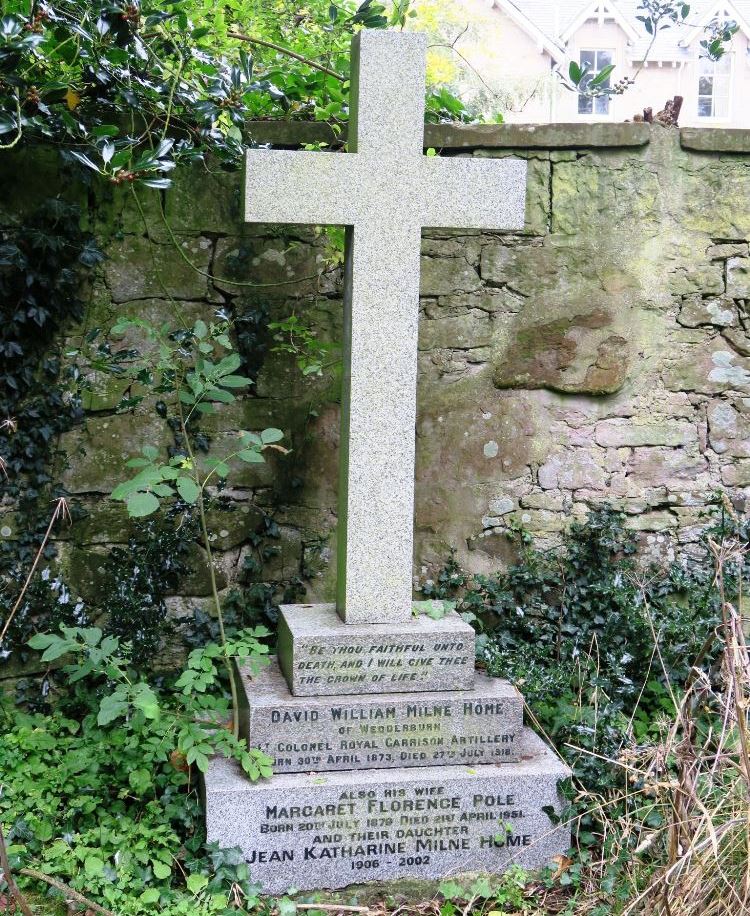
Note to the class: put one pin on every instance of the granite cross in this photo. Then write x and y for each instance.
(385, 190)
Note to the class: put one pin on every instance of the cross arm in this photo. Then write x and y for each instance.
(306, 188)
(466, 193)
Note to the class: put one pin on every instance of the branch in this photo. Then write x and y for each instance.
(68, 891)
(304, 60)
(61, 511)
(12, 886)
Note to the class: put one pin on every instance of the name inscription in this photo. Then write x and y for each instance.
(370, 733)
(419, 829)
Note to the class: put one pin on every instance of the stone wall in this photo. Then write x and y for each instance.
(602, 355)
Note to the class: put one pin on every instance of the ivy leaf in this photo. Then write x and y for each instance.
(150, 895)
(141, 504)
(161, 869)
(196, 883)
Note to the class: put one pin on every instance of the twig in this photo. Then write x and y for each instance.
(68, 891)
(12, 886)
(251, 39)
(61, 511)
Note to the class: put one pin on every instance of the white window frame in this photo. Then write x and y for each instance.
(595, 116)
(713, 119)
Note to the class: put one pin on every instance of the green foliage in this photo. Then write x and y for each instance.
(132, 88)
(112, 811)
(183, 369)
(576, 629)
(656, 15)
(492, 896)
(194, 709)
(293, 335)
(40, 266)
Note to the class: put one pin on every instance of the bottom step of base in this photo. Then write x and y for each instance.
(315, 831)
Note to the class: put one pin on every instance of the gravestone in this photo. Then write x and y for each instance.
(393, 757)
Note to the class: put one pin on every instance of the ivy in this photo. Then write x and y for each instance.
(40, 272)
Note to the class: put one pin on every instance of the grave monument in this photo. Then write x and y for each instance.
(393, 757)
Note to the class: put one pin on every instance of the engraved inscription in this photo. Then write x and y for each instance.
(384, 664)
(406, 829)
(387, 732)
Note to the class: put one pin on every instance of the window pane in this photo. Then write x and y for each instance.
(603, 59)
(721, 106)
(588, 59)
(585, 105)
(704, 107)
(602, 104)
(706, 85)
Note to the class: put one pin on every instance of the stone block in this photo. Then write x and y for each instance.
(705, 278)
(673, 468)
(697, 312)
(724, 250)
(738, 278)
(707, 368)
(737, 474)
(204, 200)
(582, 353)
(99, 449)
(321, 655)
(314, 831)
(137, 269)
(653, 521)
(626, 433)
(318, 734)
(445, 276)
(572, 470)
(729, 428)
(281, 267)
(470, 331)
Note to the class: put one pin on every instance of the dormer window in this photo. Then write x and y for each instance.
(595, 61)
(714, 82)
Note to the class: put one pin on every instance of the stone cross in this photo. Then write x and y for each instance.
(385, 190)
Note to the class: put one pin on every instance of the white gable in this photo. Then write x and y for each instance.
(601, 12)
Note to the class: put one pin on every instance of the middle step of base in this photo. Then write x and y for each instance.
(320, 734)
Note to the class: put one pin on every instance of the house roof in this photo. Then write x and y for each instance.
(555, 19)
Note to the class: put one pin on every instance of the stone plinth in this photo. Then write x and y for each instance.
(328, 831)
(304, 734)
(320, 655)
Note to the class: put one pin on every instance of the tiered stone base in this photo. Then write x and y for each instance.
(393, 759)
